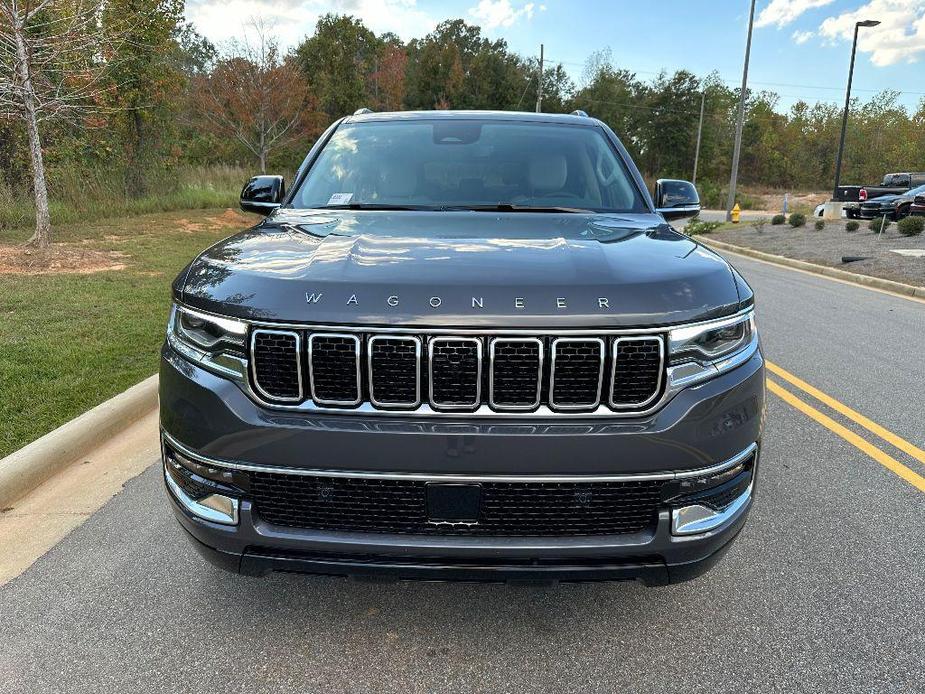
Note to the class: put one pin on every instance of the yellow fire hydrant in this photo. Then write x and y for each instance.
(735, 213)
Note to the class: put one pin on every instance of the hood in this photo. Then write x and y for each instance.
(462, 269)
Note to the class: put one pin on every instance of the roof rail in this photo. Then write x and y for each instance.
(579, 112)
(362, 111)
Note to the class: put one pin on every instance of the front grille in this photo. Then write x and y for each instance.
(637, 372)
(275, 356)
(504, 373)
(507, 508)
(334, 368)
(455, 372)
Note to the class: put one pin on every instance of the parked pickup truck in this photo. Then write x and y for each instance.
(893, 184)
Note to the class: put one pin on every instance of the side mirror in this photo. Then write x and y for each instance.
(676, 199)
(263, 194)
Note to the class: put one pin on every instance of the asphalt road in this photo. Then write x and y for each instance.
(821, 592)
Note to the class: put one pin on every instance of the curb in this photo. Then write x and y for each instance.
(25, 469)
(863, 280)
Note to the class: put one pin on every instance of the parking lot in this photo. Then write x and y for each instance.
(821, 592)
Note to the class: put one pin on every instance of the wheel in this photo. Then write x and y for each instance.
(902, 212)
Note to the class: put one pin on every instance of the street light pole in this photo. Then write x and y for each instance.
(741, 120)
(844, 118)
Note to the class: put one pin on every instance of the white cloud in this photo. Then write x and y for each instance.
(492, 14)
(801, 37)
(292, 20)
(899, 38)
(783, 12)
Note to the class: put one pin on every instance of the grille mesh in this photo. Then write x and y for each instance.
(394, 369)
(276, 364)
(507, 509)
(334, 368)
(637, 372)
(455, 378)
(577, 365)
(516, 366)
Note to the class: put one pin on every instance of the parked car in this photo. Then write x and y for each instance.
(893, 206)
(463, 345)
(918, 205)
(893, 183)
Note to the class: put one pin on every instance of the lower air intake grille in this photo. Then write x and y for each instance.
(334, 364)
(637, 373)
(394, 365)
(516, 373)
(507, 508)
(577, 366)
(455, 372)
(276, 364)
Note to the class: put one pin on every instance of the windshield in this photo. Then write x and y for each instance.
(896, 180)
(917, 191)
(468, 164)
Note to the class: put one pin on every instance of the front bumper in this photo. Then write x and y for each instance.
(703, 426)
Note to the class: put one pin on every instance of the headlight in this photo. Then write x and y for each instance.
(214, 342)
(710, 342)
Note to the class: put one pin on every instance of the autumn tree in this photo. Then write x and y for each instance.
(255, 96)
(50, 68)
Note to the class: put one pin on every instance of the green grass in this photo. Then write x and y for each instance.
(89, 195)
(68, 342)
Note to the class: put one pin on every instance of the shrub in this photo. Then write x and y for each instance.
(878, 223)
(820, 224)
(911, 226)
(797, 219)
(778, 219)
(698, 226)
(852, 226)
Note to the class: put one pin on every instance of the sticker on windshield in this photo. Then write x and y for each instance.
(340, 198)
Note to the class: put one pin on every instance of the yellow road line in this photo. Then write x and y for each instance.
(862, 444)
(853, 415)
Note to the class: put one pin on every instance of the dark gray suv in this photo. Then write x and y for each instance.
(463, 345)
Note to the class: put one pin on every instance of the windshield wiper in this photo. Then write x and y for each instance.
(373, 206)
(508, 207)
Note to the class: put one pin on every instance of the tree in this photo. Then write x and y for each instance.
(50, 67)
(337, 61)
(255, 96)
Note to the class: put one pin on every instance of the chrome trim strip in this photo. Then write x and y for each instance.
(430, 373)
(491, 373)
(356, 359)
(298, 363)
(696, 519)
(552, 375)
(417, 371)
(613, 371)
(200, 510)
(584, 330)
(422, 477)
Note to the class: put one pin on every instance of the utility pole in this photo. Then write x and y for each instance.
(539, 81)
(703, 98)
(844, 120)
(737, 150)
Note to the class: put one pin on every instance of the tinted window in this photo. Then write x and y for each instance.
(459, 163)
(896, 180)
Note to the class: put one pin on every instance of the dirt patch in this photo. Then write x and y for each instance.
(59, 259)
(189, 227)
(229, 218)
(828, 246)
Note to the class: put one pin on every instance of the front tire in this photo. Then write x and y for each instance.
(902, 212)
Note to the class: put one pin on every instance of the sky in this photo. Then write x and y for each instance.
(801, 48)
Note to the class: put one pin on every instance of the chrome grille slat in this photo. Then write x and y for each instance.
(394, 364)
(516, 373)
(576, 373)
(334, 368)
(276, 364)
(455, 372)
(638, 364)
